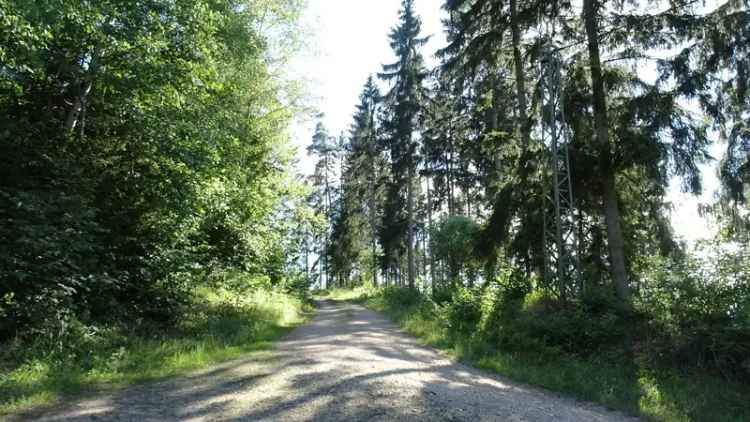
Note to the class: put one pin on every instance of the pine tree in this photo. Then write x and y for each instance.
(628, 129)
(403, 105)
(444, 129)
(722, 47)
(367, 162)
(650, 136)
(323, 147)
(612, 216)
(486, 46)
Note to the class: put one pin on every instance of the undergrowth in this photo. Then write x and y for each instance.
(530, 346)
(218, 326)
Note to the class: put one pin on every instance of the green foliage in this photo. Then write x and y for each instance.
(699, 310)
(518, 337)
(629, 137)
(402, 105)
(138, 157)
(353, 246)
(401, 297)
(345, 294)
(575, 330)
(454, 240)
(217, 325)
(464, 311)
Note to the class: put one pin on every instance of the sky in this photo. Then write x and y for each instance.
(348, 41)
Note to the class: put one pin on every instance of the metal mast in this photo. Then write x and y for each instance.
(560, 244)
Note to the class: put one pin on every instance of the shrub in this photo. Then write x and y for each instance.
(401, 297)
(515, 318)
(442, 294)
(698, 311)
(464, 311)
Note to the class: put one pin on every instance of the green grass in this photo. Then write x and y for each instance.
(657, 394)
(221, 326)
(355, 294)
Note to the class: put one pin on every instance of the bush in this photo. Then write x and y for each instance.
(574, 347)
(442, 294)
(464, 311)
(218, 325)
(402, 297)
(698, 311)
(539, 324)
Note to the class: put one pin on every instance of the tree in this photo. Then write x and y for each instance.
(454, 240)
(478, 31)
(323, 147)
(722, 46)
(612, 217)
(366, 163)
(138, 156)
(402, 107)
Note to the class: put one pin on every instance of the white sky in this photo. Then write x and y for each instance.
(350, 41)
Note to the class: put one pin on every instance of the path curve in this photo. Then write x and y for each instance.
(348, 364)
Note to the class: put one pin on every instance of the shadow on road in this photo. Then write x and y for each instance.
(348, 364)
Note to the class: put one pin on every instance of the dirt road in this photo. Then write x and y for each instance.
(347, 364)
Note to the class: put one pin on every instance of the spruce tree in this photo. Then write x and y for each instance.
(612, 216)
(367, 162)
(402, 108)
(324, 147)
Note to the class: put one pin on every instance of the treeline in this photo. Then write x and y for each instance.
(443, 183)
(143, 153)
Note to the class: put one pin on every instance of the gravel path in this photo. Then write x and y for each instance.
(347, 364)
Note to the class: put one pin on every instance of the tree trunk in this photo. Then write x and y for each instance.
(328, 214)
(411, 269)
(615, 240)
(373, 234)
(374, 261)
(428, 233)
(373, 213)
(322, 272)
(520, 76)
(449, 169)
(523, 120)
(307, 261)
(78, 107)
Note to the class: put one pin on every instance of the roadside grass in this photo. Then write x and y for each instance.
(357, 294)
(221, 326)
(637, 388)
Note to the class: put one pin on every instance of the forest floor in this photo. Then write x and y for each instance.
(348, 364)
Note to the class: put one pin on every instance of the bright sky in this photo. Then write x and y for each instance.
(350, 42)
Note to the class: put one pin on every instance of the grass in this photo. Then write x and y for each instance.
(221, 326)
(343, 295)
(636, 388)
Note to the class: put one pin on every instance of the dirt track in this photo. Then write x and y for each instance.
(347, 364)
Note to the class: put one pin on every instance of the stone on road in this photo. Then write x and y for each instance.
(348, 364)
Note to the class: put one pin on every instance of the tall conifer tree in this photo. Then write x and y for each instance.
(403, 105)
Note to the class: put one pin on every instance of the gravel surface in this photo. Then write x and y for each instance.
(347, 364)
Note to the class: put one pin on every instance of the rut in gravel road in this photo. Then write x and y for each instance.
(347, 364)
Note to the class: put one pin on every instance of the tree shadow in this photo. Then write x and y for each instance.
(348, 364)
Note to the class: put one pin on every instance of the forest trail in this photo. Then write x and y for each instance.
(348, 364)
